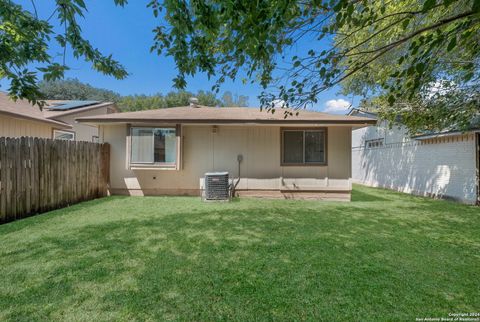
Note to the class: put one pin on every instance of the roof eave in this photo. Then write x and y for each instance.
(81, 109)
(220, 122)
(29, 118)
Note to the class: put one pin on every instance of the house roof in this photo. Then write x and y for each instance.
(425, 135)
(24, 110)
(226, 115)
(359, 112)
(437, 135)
(57, 108)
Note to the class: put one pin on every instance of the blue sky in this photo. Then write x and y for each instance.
(126, 33)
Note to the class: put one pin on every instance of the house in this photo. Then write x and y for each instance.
(67, 111)
(20, 118)
(440, 165)
(56, 120)
(168, 151)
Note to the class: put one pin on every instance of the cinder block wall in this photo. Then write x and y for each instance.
(444, 168)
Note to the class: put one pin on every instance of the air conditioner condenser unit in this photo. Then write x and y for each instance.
(216, 186)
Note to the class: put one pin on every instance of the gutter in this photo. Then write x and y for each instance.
(226, 121)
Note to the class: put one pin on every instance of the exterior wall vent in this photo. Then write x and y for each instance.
(216, 186)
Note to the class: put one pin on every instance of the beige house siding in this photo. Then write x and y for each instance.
(17, 127)
(204, 151)
(83, 132)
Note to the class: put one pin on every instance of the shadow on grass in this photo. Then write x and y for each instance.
(244, 264)
(66, 211)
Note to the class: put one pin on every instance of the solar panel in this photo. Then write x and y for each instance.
(69, 105)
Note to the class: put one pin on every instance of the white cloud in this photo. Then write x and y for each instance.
(335, 106)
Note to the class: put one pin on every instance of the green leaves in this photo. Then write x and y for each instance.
(476, 5)
(391, 99)
(180, 98)
(424, 44)
(120, 2)
(452, 44)
(73, 89)
(419, 68)
(391, 50)
(53, 72)
(428, 4)
(25, 40)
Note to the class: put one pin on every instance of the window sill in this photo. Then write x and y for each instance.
(150, 167)
(303, 164)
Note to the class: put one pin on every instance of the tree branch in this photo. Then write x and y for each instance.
(415, 33)
(34, 8)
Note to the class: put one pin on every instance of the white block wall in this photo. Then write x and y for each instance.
(444, 168)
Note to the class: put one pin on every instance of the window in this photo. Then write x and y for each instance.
(95, 139)
(157, 146)
(63, 135)
(303, 147)
(377, 143)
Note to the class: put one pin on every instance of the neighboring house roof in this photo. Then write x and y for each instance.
(24, 110)
(225, 115)
(421, 136)
(358, 112)
(57, 108)
(436, 135)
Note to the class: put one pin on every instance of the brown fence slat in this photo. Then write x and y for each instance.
(3, 179)
(53, 174)
(21, 183)
(37, 175)
(47, 167)
(17, 177)
(42, 157)
(28, 176)
(34, 171)
(10, 160)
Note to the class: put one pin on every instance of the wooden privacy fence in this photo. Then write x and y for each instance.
(37, 175)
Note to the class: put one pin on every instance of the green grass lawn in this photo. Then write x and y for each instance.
(384, 256)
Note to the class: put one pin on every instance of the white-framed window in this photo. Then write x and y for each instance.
(63, 135)
(376, 143)
(304, 146)
(153, 146)
(95, 139)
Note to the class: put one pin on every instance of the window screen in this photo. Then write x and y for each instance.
(63, 135)
(165, 147)
(314, 146)
(142, 145)
(153, 145)
(303, 147)
(293, 147)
